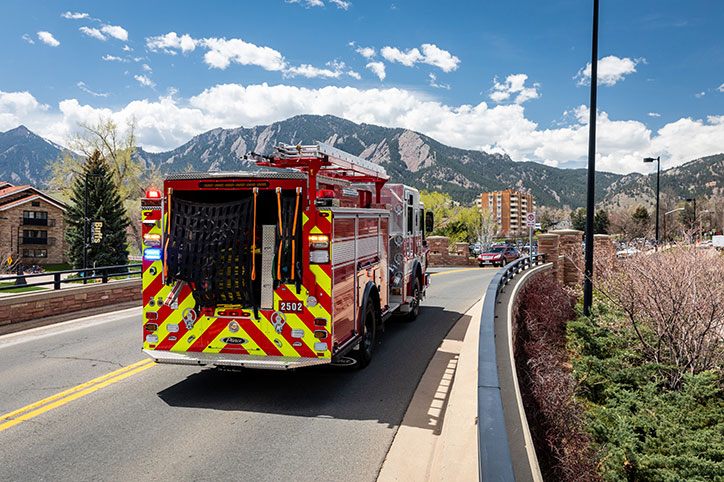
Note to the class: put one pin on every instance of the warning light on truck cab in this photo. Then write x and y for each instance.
(153, 194)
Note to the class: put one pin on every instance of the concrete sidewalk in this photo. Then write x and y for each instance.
(438, 438)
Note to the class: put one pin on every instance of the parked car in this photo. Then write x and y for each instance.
(498, 256)
(627, 252)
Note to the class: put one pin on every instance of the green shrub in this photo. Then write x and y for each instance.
(646, 430)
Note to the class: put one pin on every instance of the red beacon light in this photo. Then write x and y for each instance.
(153, 194)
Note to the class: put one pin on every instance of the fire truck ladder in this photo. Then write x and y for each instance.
(321, 158)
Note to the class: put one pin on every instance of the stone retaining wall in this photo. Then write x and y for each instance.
(39, 304)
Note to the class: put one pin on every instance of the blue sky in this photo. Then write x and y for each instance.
(498, 76)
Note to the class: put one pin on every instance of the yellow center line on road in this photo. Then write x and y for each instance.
(458, 270)
(59, 399)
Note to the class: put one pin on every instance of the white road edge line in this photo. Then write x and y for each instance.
(40, 332)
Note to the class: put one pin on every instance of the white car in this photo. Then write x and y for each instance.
(625, 253)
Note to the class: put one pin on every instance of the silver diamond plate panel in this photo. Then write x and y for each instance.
(268, 240)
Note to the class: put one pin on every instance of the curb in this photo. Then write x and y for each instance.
(437, 438)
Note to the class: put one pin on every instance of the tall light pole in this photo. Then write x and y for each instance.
(591, 185)
(658, 173)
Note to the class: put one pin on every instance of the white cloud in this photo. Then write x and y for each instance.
(335, 71)
(222, 52)
(93, 32)
(144, 80)
(439, 58)
(341, 4)
(378, 68)
(167, 122)
(28, 38)
(407, 58)
(514, 84)
(699, 95)
(436, 84)
(146, 67)
(611, 70)
(431, 55)
(74, 16)
(720, 88)
(344, 5)
(366, 52)
(47, 38)
(126, 48)
(115, 31)
(82, 86)
(113, 58)
(654, 114)
(170, 42)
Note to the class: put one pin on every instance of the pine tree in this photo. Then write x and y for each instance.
(104, 204)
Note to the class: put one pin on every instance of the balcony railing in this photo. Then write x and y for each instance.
(37, 222)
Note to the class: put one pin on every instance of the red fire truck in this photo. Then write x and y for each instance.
(300, 263)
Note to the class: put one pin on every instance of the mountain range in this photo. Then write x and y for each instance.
(408, 157)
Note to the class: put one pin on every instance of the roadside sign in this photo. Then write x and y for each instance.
(530, 219)
(96, 232)
(10, 260)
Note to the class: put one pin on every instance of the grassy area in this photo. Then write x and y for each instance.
(57, 267)
(20, 289)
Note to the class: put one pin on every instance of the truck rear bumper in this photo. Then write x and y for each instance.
(234, 360)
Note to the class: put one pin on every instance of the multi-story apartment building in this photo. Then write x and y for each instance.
(31, 226)
(509, 208)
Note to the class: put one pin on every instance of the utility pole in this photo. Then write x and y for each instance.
(590, 204)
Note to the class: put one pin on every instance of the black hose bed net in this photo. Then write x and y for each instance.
(210, 248)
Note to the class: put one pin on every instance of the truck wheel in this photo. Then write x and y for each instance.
(363, 353)
(415, 303)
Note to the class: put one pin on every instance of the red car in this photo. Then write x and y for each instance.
(498, 256)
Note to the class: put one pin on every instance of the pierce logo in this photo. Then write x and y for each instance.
(234, 340)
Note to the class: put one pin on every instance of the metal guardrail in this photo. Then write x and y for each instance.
(494, 458)
(102, 273)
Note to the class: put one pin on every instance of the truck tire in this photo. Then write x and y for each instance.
(415, 303)
(363, 353)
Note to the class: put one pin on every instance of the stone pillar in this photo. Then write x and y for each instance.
(462, 249)
(548, 245)
(603, 245)
(438, 244)
(570, 246)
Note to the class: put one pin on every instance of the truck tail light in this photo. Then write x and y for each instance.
(152, 239)
(318, 248)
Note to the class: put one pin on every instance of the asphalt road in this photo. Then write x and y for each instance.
(164, 422)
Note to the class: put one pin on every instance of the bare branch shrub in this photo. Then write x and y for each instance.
(563, 445)
(674, 300)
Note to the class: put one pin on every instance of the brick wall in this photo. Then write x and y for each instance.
(30, 306)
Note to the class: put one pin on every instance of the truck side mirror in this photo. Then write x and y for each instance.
(429, 222)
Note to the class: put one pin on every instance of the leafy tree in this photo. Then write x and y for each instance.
(104, 204)
(481, 224)
(578, 219)
(641, 216)
(601, 222)
(442, 207)
(118, 147)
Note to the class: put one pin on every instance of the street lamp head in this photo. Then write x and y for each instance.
(650, 159)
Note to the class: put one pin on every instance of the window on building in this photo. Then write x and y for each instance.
(35, 253)
(35, 218)
(35, 204)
